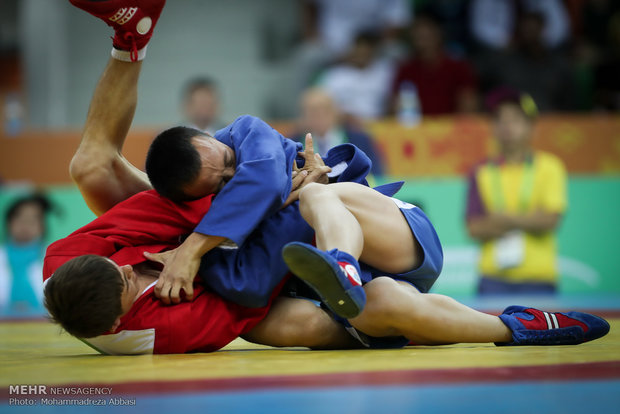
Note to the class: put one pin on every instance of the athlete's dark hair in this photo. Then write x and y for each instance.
(172, 162)
(84, 295)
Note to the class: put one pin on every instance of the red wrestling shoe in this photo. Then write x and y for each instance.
(531, 326)
(133, 21)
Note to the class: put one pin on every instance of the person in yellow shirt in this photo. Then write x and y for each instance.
(515, 203)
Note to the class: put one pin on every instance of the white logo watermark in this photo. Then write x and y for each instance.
(37, 394)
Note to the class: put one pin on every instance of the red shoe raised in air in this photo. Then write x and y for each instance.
(133, 21)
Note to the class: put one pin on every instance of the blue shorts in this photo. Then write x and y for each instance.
(422, 278)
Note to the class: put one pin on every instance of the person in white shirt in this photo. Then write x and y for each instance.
(360, 85)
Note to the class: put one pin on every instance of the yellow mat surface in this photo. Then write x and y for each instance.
(31, 352)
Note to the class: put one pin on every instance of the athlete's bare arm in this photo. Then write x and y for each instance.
(100, 171)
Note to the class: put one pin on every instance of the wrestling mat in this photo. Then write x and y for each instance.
(63, 375)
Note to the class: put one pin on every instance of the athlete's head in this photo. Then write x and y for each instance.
(88, 295)
(185, 164)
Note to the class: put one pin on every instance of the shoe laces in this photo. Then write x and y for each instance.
(133, 52)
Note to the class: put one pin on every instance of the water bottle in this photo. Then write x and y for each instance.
(408, 105)
(13, 114)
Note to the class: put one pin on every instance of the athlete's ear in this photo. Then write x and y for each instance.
(117, 323)
(128, 271)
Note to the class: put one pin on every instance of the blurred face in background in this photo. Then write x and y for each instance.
(426, 38)
(27, 225)
(202, 107)
(363, 53)
(318, 112)
(530, 31)
(513, 129)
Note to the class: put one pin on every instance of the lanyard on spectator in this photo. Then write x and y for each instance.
(526, 190)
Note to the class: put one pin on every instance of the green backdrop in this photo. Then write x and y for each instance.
(589, 237)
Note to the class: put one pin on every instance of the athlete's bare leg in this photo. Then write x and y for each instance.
(362, 222)
(392, 309)
(368, 225)
(102, 174)
(396, 308)
(299, 322)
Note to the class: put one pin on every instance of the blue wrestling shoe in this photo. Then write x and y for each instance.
(531, 326)
(334, 275)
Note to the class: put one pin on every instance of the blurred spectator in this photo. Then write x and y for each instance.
(515, 203)
(593, 26)
(336, 23)
(607, 73)
(531, 67)
(331, 26)
(201, 105)
(360, 85)
(596, 17)
(321, 118)
(21, 257)
(444, 85)
(493, 22)
(452, 16)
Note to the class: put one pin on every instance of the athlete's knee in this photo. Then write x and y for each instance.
(382, 296)
(394, 300)
(312, 196)
(363, 202)
(311, 191)
(381, 314)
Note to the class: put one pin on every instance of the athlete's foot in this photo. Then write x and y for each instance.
(133, 21)
(534, 327)
(334, 275)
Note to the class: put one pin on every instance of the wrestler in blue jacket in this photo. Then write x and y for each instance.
(248, 210)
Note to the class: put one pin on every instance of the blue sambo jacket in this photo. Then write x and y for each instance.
(248, 210)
